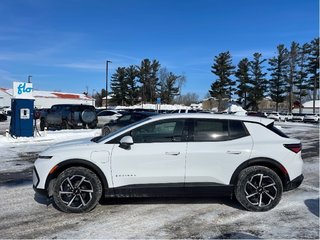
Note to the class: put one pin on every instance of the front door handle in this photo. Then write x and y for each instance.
(234, 152)
(173, 153)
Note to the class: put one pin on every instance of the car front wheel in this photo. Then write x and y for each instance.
(77, 190)
(258, 188)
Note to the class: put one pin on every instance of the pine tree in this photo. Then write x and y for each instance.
(313, 69)
(148, 79)
(119, 87)
(292, 61)
(258, 83)
(279, 75)
(154, 81)
(131, 74)
(243, 78)
(169, 83)
(300, 82)
(223, 87)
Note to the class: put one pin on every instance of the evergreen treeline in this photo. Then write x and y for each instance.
(292, 74)
(144, 83)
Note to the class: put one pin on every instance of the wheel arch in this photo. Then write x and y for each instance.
(274, 165)
(60, 167)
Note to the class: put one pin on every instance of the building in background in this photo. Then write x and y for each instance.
(45, 99)
(307, 107)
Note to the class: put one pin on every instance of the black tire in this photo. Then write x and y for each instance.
(42, 124)
(92, 125)
(65, 124)
(77, 190)
(105, 130)
(258, 189)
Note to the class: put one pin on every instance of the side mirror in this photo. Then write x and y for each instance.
(126, 142)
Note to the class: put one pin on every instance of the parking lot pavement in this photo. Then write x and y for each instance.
(297, 215)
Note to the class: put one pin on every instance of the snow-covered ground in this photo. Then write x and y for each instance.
(22, 216)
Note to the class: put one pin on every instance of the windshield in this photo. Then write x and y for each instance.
(121, 130)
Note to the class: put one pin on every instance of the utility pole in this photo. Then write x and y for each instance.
(93, 103)
(107, 63)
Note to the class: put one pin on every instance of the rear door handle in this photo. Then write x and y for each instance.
(173, 153)
(234, 152)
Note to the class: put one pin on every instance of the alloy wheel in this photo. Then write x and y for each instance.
(76, 191)
(260, 190)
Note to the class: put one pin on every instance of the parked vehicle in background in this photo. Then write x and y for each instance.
(275, 116)
(125, 120)
(312, 118)
(284, 116)
(65, 116)
(257, 114)
(3, 117)
(297, 117)
(184, 111)
(174, 155)
(6, 110)
(106, 116)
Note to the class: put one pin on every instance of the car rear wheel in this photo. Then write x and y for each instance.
(77, 190)
(258, 189)
(105, 130)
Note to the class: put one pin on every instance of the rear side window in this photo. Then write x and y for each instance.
(206, 130)
(276, 130)
(237, 129)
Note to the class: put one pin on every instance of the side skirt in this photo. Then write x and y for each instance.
(171, 190)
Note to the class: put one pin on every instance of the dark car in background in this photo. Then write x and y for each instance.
(257, 114)
(66, 116)
(3, 117)
(126, 119)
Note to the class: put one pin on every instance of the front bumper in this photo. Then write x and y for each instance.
(36, 180)
(294, 183)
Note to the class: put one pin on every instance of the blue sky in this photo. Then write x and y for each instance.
(64, 44)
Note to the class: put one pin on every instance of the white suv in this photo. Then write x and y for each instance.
(174, 155)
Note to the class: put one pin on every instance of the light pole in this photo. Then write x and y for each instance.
(107, 63)
(93, 103)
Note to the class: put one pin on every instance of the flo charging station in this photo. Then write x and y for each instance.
(22, 105)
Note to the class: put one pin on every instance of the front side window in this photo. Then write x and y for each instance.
(125, 118)
(210, 130)
(164, 131)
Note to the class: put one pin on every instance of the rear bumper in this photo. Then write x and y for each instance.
(294, 183)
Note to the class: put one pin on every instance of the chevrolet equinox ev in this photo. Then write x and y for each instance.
(174, 155)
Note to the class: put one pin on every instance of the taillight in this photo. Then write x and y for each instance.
(294, 147)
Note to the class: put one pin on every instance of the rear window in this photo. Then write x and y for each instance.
(276, 130)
